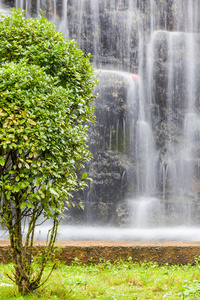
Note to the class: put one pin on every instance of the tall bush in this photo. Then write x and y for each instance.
(46, 88)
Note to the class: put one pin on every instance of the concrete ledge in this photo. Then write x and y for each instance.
(161, 252)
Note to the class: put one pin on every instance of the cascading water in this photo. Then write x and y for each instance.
(146, 141)
(4, 8)
(174, 58)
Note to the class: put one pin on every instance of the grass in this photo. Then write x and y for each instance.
(122, 280)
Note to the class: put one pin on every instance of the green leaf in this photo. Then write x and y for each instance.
(31, 122)
(27, 166)
(30, 205)
(22, 205)
(17, 188)
(52, 191)
(84, 175)
(2, 161)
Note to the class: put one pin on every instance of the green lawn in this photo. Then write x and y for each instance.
(122, 280)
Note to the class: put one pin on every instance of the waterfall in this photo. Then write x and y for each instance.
(146, 212)
(63, 26)
(3, 7)
(146, 139)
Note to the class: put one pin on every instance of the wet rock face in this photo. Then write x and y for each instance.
(174, 116)
(107, 189)
(112, 110)
(111, 149)
(105, 192)
(113, 158)
(9, 2)
(123, 214)
(108, 30)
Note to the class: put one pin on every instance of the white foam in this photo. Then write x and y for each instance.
(83, 233)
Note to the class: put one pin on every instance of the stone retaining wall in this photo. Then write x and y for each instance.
(161, 252)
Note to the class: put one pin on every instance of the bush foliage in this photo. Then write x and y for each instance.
(46, 88)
